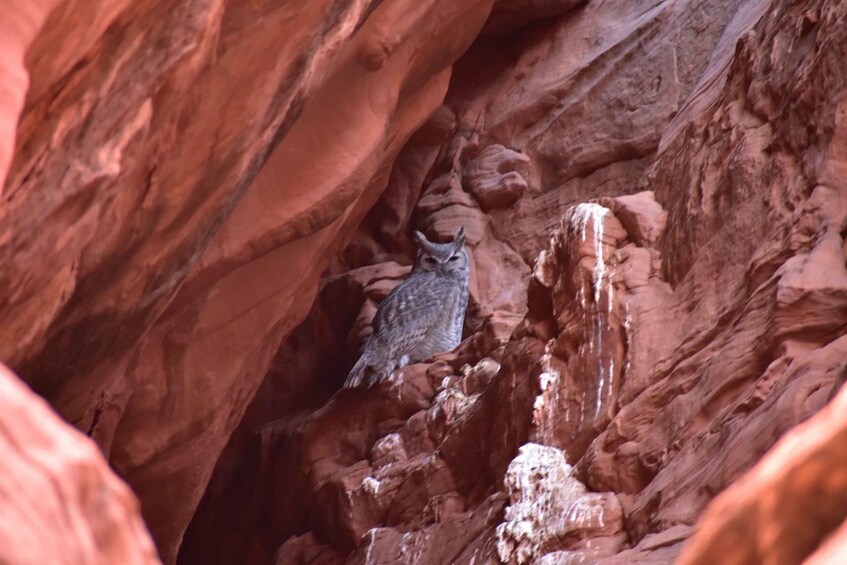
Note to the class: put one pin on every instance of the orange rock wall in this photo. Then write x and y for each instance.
(61, 502)
(189, 167)
(657, 297)
(206, 198)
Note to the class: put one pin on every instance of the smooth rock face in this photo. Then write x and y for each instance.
(207, 199)
(61, 502)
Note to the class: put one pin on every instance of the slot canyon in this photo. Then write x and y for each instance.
(204, 202)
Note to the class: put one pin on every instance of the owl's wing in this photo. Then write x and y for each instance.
(402, 320)
(411, 308)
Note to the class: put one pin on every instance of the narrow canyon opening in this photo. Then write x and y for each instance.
(206, 201)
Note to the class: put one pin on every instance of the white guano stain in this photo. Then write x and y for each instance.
(546, 402)
(547, 503)
(371, 485)
(580, 216)
(368, 557)
(629, 332)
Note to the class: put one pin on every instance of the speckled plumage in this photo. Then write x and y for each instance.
(422, 316)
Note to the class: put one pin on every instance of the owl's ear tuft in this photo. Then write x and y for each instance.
(421, 239)
(459, 238)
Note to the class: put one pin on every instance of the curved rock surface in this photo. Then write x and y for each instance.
(799, 490)
(189, 168)
(61, 502)
(205, 200)
(669, 337)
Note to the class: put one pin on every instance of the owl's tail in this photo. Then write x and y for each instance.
(356, 375)
(364, 373)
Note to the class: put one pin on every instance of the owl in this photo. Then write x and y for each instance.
(422, 316)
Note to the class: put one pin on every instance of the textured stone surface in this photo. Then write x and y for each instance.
(790, 503)
(61, 502)
(548, 504)
(149, 158)
(209, 198)
(18, 28)
(670, 335)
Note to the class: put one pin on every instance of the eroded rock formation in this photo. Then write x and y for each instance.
(183, 172)
(670, 336)
(61, 502)
(208, 199)
(797, 490)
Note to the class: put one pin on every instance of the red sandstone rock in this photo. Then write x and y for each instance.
(61, 502)
(787, 505)
(180, 185)
(497, 177)
(171, 259)
(665, 370)
(510, 15)
(19, 26)
(306, 549)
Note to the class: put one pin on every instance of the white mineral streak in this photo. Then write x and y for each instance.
(371, 539)
(539, 270)
(579, 221)
(579, 217)
(547, 503)
(628, 326)
(546, 402)
(561, 557)
(387, 443)
(396, 379)
(371, 485)
(449, 405)
(387, 450)
(410, 551)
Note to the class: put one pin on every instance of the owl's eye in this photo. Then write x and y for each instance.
(454, 258)
(431, 260)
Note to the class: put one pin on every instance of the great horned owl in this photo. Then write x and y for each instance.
(422, 316)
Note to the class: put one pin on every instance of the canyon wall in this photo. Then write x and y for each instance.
(654, 197)
(61, 502)
(205, 200)
(183, 171)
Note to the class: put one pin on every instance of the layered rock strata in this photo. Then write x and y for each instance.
(205, 198)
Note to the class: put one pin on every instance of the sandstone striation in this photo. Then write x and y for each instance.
(204, 201)
(190, 167)
(657, 290)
